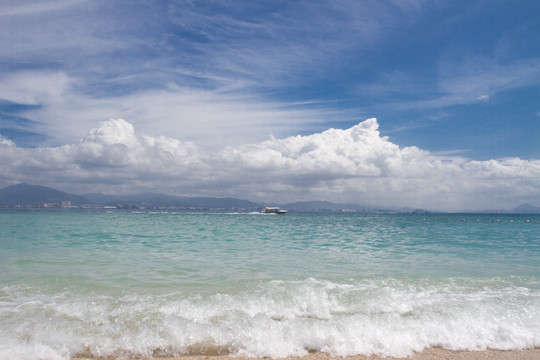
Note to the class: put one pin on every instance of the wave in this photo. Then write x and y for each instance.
(385, 317)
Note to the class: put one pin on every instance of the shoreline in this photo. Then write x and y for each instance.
(427, 354)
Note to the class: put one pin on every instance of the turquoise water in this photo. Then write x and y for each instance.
(137, 284)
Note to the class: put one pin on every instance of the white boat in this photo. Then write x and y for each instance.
(273, 210)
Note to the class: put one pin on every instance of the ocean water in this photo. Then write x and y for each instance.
(124, 284)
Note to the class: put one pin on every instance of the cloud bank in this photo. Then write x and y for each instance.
(354, 165)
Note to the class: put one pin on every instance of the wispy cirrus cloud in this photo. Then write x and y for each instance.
(10, 8)
(35, 87)
(457, 83)
(477, 77)
(213, 118)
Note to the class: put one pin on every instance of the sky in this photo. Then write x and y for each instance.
(424, 104)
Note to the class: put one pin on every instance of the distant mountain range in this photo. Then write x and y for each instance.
(25, 195)
(526, 209)
(35, 196)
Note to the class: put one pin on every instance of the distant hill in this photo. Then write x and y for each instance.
(526, 209)
(26, 195)
(35, 196)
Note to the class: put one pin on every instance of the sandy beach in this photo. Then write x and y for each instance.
(428, 354)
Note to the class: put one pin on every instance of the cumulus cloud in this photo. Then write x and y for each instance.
(355, 165)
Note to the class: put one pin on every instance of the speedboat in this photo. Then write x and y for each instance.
(273, 210)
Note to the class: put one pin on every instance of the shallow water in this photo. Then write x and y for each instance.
(122, 283)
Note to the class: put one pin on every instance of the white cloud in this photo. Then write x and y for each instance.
(483, 97)
(6, 142)
(458, 82)
(354, 165)
(62, 112)
(477, 78)
(34, 88)
(18, 8)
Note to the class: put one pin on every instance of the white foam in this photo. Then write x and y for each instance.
(387, 317)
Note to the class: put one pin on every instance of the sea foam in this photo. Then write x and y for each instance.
(386, 316)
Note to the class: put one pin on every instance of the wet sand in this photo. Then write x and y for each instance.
(429, 354)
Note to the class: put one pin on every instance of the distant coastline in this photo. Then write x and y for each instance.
(35, 196)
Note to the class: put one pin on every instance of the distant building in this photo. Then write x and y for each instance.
(63, 205)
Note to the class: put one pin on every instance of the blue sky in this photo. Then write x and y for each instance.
(452, 78)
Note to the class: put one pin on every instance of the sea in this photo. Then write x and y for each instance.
(121, 284)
